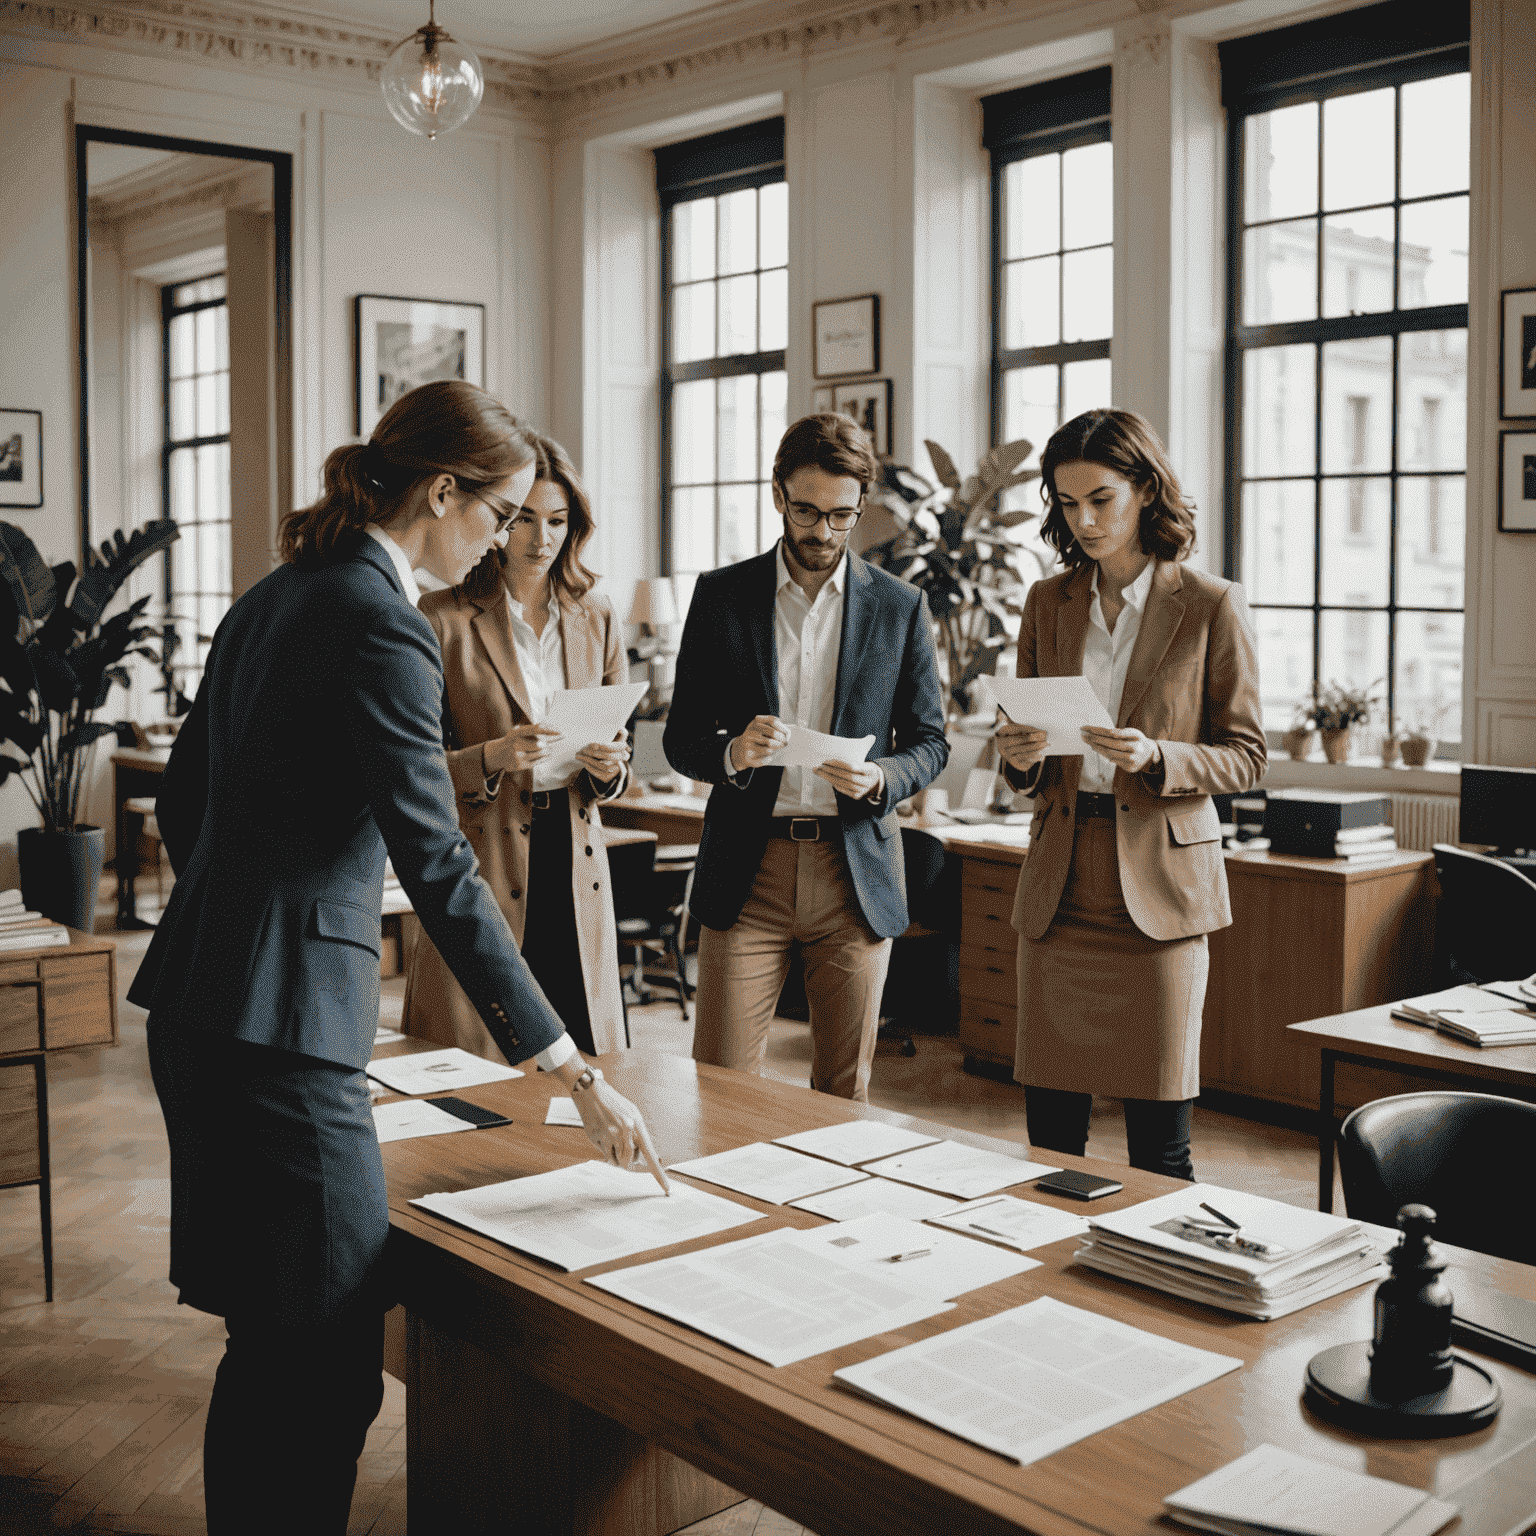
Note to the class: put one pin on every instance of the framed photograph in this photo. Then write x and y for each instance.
(21, 458)
(1517, 354)
(845, 336)
(1517, 482)
(405, 342)
(821, 400)
(869, 403)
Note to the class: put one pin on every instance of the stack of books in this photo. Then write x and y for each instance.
(1242, 1253)
(21, 929)
(1495, 1014)
(1356, 844)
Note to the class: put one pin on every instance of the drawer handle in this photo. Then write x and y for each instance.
(995, 1023)
(995, 970)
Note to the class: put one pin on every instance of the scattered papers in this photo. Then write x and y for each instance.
(856, 1141)
(773, 1297)
(433, 1071)
(384, 1035)
(768, 1172)
(1036, 1378)
(1059, 706)
(876, 1195)
(415, 1117)
(1021, 1224)
(810, 749)
(1501, 1026)
(588, 1213)
(584, 716)
(564, 1112)
(954, 1169)
(1271, 1490)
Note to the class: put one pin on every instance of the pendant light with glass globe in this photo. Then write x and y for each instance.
(432, 84)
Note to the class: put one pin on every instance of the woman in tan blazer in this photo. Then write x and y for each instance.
(1125, 876)
(524, 623)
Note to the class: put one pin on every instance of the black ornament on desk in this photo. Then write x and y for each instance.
(1407, 1380)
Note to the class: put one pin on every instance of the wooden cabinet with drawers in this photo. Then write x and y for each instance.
(988, 957)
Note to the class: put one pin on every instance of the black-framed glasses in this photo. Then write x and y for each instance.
(804, 516)
(506, 512)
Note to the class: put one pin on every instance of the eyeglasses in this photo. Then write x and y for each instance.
(803, 515)
(506, 513)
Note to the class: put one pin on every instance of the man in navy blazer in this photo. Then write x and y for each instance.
(806, 637)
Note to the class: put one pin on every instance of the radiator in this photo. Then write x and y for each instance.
(1421, 821)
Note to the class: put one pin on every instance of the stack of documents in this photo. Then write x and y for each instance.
(1477, 1015)
(21, 928)
(1236, 1251)
(1357, 844)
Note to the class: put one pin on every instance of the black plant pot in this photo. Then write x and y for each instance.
(60, 873)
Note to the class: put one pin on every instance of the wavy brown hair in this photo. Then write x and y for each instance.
(447, 427)
(830, 442)
(569, 578)
(1126, 443)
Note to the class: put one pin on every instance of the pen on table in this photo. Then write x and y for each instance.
(915, 1253)
(1226, 1220)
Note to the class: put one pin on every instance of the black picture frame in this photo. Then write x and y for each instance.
(845, 336)
(21, 457)
(1517, 353)
(1517, 481)
(869, 402)
(453, 339)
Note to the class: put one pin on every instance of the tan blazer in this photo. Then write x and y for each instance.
(484, 696)
(1193, 685)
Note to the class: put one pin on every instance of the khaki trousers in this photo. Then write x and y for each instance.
(802, 894)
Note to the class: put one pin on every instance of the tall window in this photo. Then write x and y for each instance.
(1346, 360)
(725, 325)
(1053, 253)
(194, 467)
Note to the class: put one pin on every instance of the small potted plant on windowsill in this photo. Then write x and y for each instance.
(1420, 739)
(1298, 741)
(1337, 709)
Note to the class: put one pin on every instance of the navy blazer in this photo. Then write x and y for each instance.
(316, 744)
(887, 687)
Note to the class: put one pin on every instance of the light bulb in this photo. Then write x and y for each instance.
(432, 84)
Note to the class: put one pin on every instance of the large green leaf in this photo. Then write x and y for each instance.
(26, 574)
(943, 465)
(84, 735)
(120, 557)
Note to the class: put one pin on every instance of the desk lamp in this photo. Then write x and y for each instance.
(654, 606)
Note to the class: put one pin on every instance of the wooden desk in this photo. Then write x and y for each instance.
(1371, 1037)
(133, 773)
(56, 999)
(538, 1404)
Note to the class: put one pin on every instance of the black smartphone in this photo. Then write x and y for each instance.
(472, 1112)
(1081, 1186)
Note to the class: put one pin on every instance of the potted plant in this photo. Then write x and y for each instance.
(58, 661)
(1419, 740)
(1337, 709)
(1298, 741)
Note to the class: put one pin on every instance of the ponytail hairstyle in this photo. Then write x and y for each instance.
(569, 579)
(446, 427)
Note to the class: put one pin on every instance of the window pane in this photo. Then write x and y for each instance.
(1087, 196)
(693, 432)
(183, 422)
(1032, 313)
(1432, 394)
(1359, 136)
(1084, 387)
(1431, 534)
(1280, 544)
(769, 524)
(693, 322)
(738, 315)
(775, 394)
(738, 428)
(738, 231)
(1357, 405)
(183, 488)
(773, 231)
(1357, 262)
(1032, 207)
(775, 314)
(693, 529)
(179, 341)
(221, 402)
(1428, 693)
(213, 481)
(1437, 125)
(215, 573)
(1087, 287)
(1354, 650)
(184, 557)
(1280, 163)
(693, 240)
(738, 523)
(1279, 411)
(1280, 273)
(1285, 662)
(1357, 541)
(1434, 254)
(208, 405)
(207, 344)
(1029, 407)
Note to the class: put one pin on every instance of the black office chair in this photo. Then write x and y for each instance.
(922, 984)
(649, 908)
(1467, 1155)
(1485, 929)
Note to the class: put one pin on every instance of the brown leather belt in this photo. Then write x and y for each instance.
(1094, 805)
(806, 829)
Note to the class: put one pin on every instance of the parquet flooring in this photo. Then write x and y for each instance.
(103, 1393)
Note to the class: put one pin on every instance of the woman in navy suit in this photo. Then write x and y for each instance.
(314, 748)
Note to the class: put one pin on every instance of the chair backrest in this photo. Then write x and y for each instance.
(1467, 1155)
(1486, 927)
(933, 882)
(631, 873)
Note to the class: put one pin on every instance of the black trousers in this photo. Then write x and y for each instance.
(549, 923)
(1156, 1130)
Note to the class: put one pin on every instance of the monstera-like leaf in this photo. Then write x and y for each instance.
(32, 586)
(120, 557)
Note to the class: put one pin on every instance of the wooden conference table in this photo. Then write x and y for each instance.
(536, 1403)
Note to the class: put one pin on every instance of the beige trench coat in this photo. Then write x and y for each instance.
(484, 696)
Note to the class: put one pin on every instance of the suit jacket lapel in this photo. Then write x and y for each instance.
(760, 617)
(858, 595)
(583, 649)
(1072, 625)
(493, 625)
(1159, 624)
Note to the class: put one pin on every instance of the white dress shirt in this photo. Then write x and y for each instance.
(541, 660)
(1106, 657)
(397, 559)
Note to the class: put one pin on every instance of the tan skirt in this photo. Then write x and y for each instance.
(1102, 1008)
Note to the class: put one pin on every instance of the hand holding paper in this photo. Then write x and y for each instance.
(584, 717)
(1059, 706)
(810, 749)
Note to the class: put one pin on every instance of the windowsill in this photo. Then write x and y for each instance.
(1316, 772)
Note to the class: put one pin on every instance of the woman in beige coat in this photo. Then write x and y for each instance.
(524, 623)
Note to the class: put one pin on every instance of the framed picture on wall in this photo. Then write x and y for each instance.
(1517, 482)
(845, 336)
(21, 458)
(869, 403)
(405, 342)
(1517, 354)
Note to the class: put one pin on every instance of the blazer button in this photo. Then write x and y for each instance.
(525, 797)
(1063, 810)
(596, 886)
(524, 827)
(1125, 807)
(582, 814)
(515, 894)
(589, 853)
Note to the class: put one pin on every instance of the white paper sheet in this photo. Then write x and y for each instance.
(1036, 1378)
(563, 1112)
(855, 1141)
(435, 1071)
(414, 1117)
(1021, 1224)
(877, 1195)
(588, 1213)
(384, 1035)
(584, 716)
(772, 1297)
(1060, 706)
(1272, 1489)
(769, 1172)
(810, 749)
(939, 1264)
(952, 1168)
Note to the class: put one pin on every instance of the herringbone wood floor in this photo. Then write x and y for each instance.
(104, 1392)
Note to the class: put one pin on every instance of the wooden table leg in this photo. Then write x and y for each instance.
(1325, 1133)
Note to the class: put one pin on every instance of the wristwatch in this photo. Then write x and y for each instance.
(589, 1076)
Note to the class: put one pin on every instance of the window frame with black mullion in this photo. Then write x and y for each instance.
(1440, 57)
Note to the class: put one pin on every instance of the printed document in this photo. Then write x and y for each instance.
(588, 1213)
(587, 715)
(952, 1168)
(563, 1112)
(767, 1172)
(876, 1195)
(415, 1117)
(434, 1071)
(1021, 1224)
(1036, 1378)
(772, 1297)
(1060, 706)
(857, 1141)
(810, 749)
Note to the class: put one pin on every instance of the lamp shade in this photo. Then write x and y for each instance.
(432, 84)
(654, 602)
